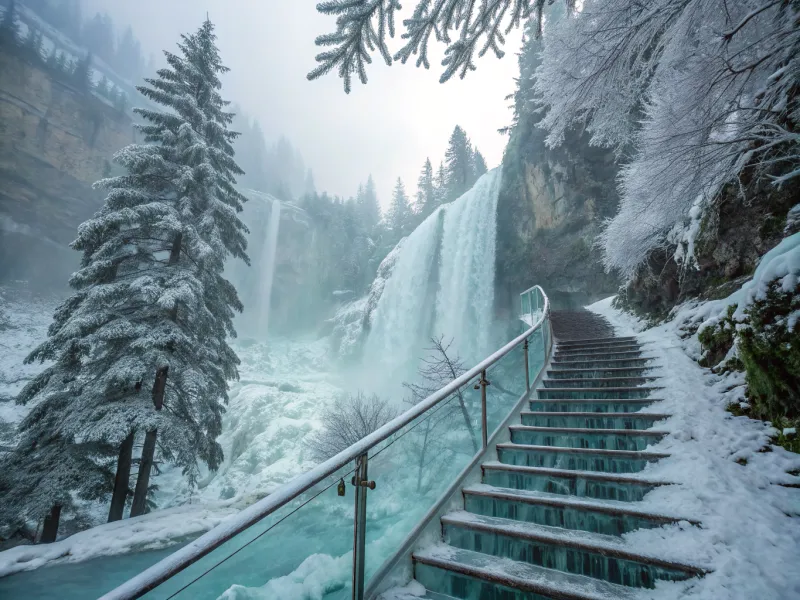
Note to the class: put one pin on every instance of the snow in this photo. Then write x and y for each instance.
(750, 533)
(149, 532)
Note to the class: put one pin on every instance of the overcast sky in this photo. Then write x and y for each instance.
(386, 128)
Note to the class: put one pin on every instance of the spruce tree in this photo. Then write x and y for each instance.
(479, 168)
(440, 185)
(144, 336)
(399, 216)
(426, 191)
(368, 207)
(459, 169)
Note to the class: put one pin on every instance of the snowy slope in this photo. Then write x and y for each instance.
(750, 534)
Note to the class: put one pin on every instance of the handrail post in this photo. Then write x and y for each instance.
(527, 370)
(484, 425)
(361, 484)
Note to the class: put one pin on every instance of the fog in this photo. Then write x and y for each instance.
(386, 128)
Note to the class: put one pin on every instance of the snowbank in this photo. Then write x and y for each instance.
(726, 473)
(149, 532)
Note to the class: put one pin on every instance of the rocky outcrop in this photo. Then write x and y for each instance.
(550, 210)
(55, 141)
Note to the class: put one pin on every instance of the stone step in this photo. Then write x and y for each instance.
(580, 393)
(591, 420)
(465, 574)
(579, 437)
(616, 382)
(577, 552)
(624, 347)
(597, 355)
(598, 373)
(603, 363)
(598, 405)
(576, 459)
(598, 516)
(584, 484)
(595, 341)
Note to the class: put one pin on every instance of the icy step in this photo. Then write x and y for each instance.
(597, 355)
(588, 484)
(597, 405)
(599, 373)
(599, 348)
(602, 363)
(578, 552)
(600, 382)
(594, 341)
(608, 517)
(591, 420)
(576, 459)
(476, 576)
(579, 437)
(579, 393)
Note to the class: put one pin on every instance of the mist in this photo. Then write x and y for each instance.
(386, 128)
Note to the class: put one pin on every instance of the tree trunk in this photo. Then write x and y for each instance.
(471, 430)
(149, 448)
(122, 480)
(50, 529)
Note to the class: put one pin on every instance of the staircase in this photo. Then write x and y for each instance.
(547, 518)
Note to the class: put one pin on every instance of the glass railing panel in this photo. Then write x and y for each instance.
(536, 353)
(415, 467)
(302, 550)
(506, 386)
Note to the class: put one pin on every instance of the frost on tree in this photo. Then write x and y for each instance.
(469, 29)
(689, 93)
(141, 345)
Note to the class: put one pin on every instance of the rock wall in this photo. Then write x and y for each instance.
(551, 207)
(55, 141)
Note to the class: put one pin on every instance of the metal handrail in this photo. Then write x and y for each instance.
(181, 559)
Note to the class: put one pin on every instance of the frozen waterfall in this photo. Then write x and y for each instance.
(267, 264)
(442, 284)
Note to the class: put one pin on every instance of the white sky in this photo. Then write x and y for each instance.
(386, 128)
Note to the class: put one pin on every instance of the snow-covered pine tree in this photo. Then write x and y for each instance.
(426, 191)
(479, 168)
(368, 206)
(440, 185)
(399, 216)
(459, 169)
(148, 323)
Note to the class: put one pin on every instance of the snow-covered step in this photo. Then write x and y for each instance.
(578, 552)
(466, 574)
(596, 341)
(608, 517)
(599, 362)
(588, 484)
(598, 405)
(548, 393)
(607, 347)
(602, 354)
(591, 420)
(616, 382)
(579, 437)
(643, 371)
(576, 459)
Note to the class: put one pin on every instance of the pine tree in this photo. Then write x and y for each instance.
(426, 191)
(459, 168)
(128, 58)
(479, 168)
(98, 37)
(144, 334)
(368, 207)
(33, 43)
(310, 186)
(440, 185)
(104, 87)
(399, 216)
(82, 74)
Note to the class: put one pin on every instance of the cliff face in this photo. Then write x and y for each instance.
(550, 210)
(55, 141)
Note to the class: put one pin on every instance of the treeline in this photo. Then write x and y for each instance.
(78, 72)
(357, 236)
(96, 34)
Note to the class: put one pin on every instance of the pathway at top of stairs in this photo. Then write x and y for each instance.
(546, 521)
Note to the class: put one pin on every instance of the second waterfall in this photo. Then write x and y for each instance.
(442, 284)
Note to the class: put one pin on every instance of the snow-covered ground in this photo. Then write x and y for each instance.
(726, 473)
